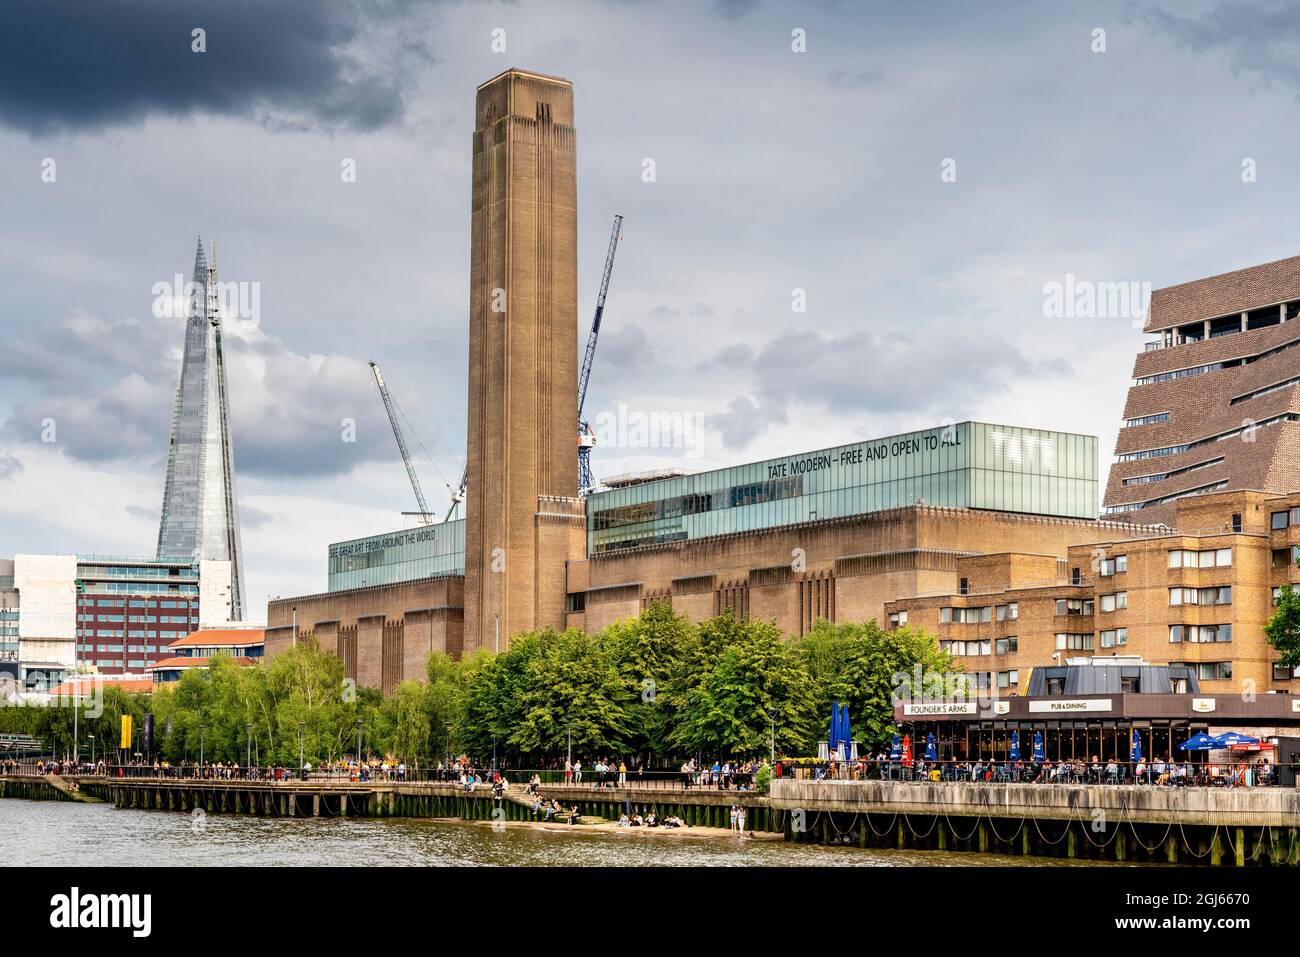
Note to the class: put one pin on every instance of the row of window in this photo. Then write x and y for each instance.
(1208, 558)
(1200, 634)
(1216, 595)
(1148, 419)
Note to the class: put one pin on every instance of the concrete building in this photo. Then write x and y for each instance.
(523, 518)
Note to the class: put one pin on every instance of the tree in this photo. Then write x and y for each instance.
(864, 666)
(573, 689)
(1283, 628)
(647, 650)
(748, 673)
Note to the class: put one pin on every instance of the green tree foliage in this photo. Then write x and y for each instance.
(864, 666)
(1283, 628)
(656, 685)
(740, 673)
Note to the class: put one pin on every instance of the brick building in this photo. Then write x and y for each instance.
(987, 535)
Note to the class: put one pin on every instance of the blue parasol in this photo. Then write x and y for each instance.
(1015, 746)
(1135, 755)
(931, 752)
(1039, 756)
(1198, 742)
(895, 750)
(1230, 738)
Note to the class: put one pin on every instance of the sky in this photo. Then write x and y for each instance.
(855, 215)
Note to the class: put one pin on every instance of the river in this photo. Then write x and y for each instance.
(70, 834)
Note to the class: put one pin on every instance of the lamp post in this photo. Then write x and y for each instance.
(772, 715)
(301, 728)
(248, 761)
(360, 723)
(570, 737)
(201, 730)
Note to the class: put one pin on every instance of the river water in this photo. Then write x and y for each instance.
(71, 834)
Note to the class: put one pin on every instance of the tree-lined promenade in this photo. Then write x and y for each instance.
(656, 689)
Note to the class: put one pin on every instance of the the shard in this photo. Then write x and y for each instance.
(200, 518)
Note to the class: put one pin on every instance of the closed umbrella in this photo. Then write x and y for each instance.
(1015, 746)
(1135, 755)
(907, 750)
(895, 750)
(1039, 755)
(931, 752)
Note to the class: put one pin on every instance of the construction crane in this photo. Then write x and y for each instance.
(458, 494)
(423, 513)
(586, 437)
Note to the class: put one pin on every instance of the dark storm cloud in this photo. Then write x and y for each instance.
(89, 64)
(1259, 38)
(860, 373)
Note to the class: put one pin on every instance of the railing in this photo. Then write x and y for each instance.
(1176, 774)
(469, 778)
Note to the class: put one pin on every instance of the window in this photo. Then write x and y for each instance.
(1006, 645)
(1114, 602)
(1283, 673)
(1219, 595)
(1207, 634)
(966, 615)
(1114, 637)
(1074, 642)
(965, 586)
(1074, 606)
(1210, 558)
(1280, 520)
(1236, 521)
(1075, 577)
(966, 649)
(577, 602)
(1113, 566)
(897, 618)
(1008, 679)
(1214, 670)
(1175, 634)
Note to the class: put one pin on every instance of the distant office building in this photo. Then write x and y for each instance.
(195, 651)
(200, 518)
(1215, 401)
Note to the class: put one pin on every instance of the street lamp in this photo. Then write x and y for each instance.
(301, 727)
(360, 723)
(202, 728)
(248, 763)
(772, 715)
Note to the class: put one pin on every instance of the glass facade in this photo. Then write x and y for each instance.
(966, 465)
(398, 556)
(200, 506)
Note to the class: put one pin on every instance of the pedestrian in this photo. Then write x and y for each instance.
(622, 774)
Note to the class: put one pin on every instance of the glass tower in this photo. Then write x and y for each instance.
(200, 518)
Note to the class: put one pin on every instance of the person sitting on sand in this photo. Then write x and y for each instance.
(573, 815)
(636, 820)
(623, 821)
